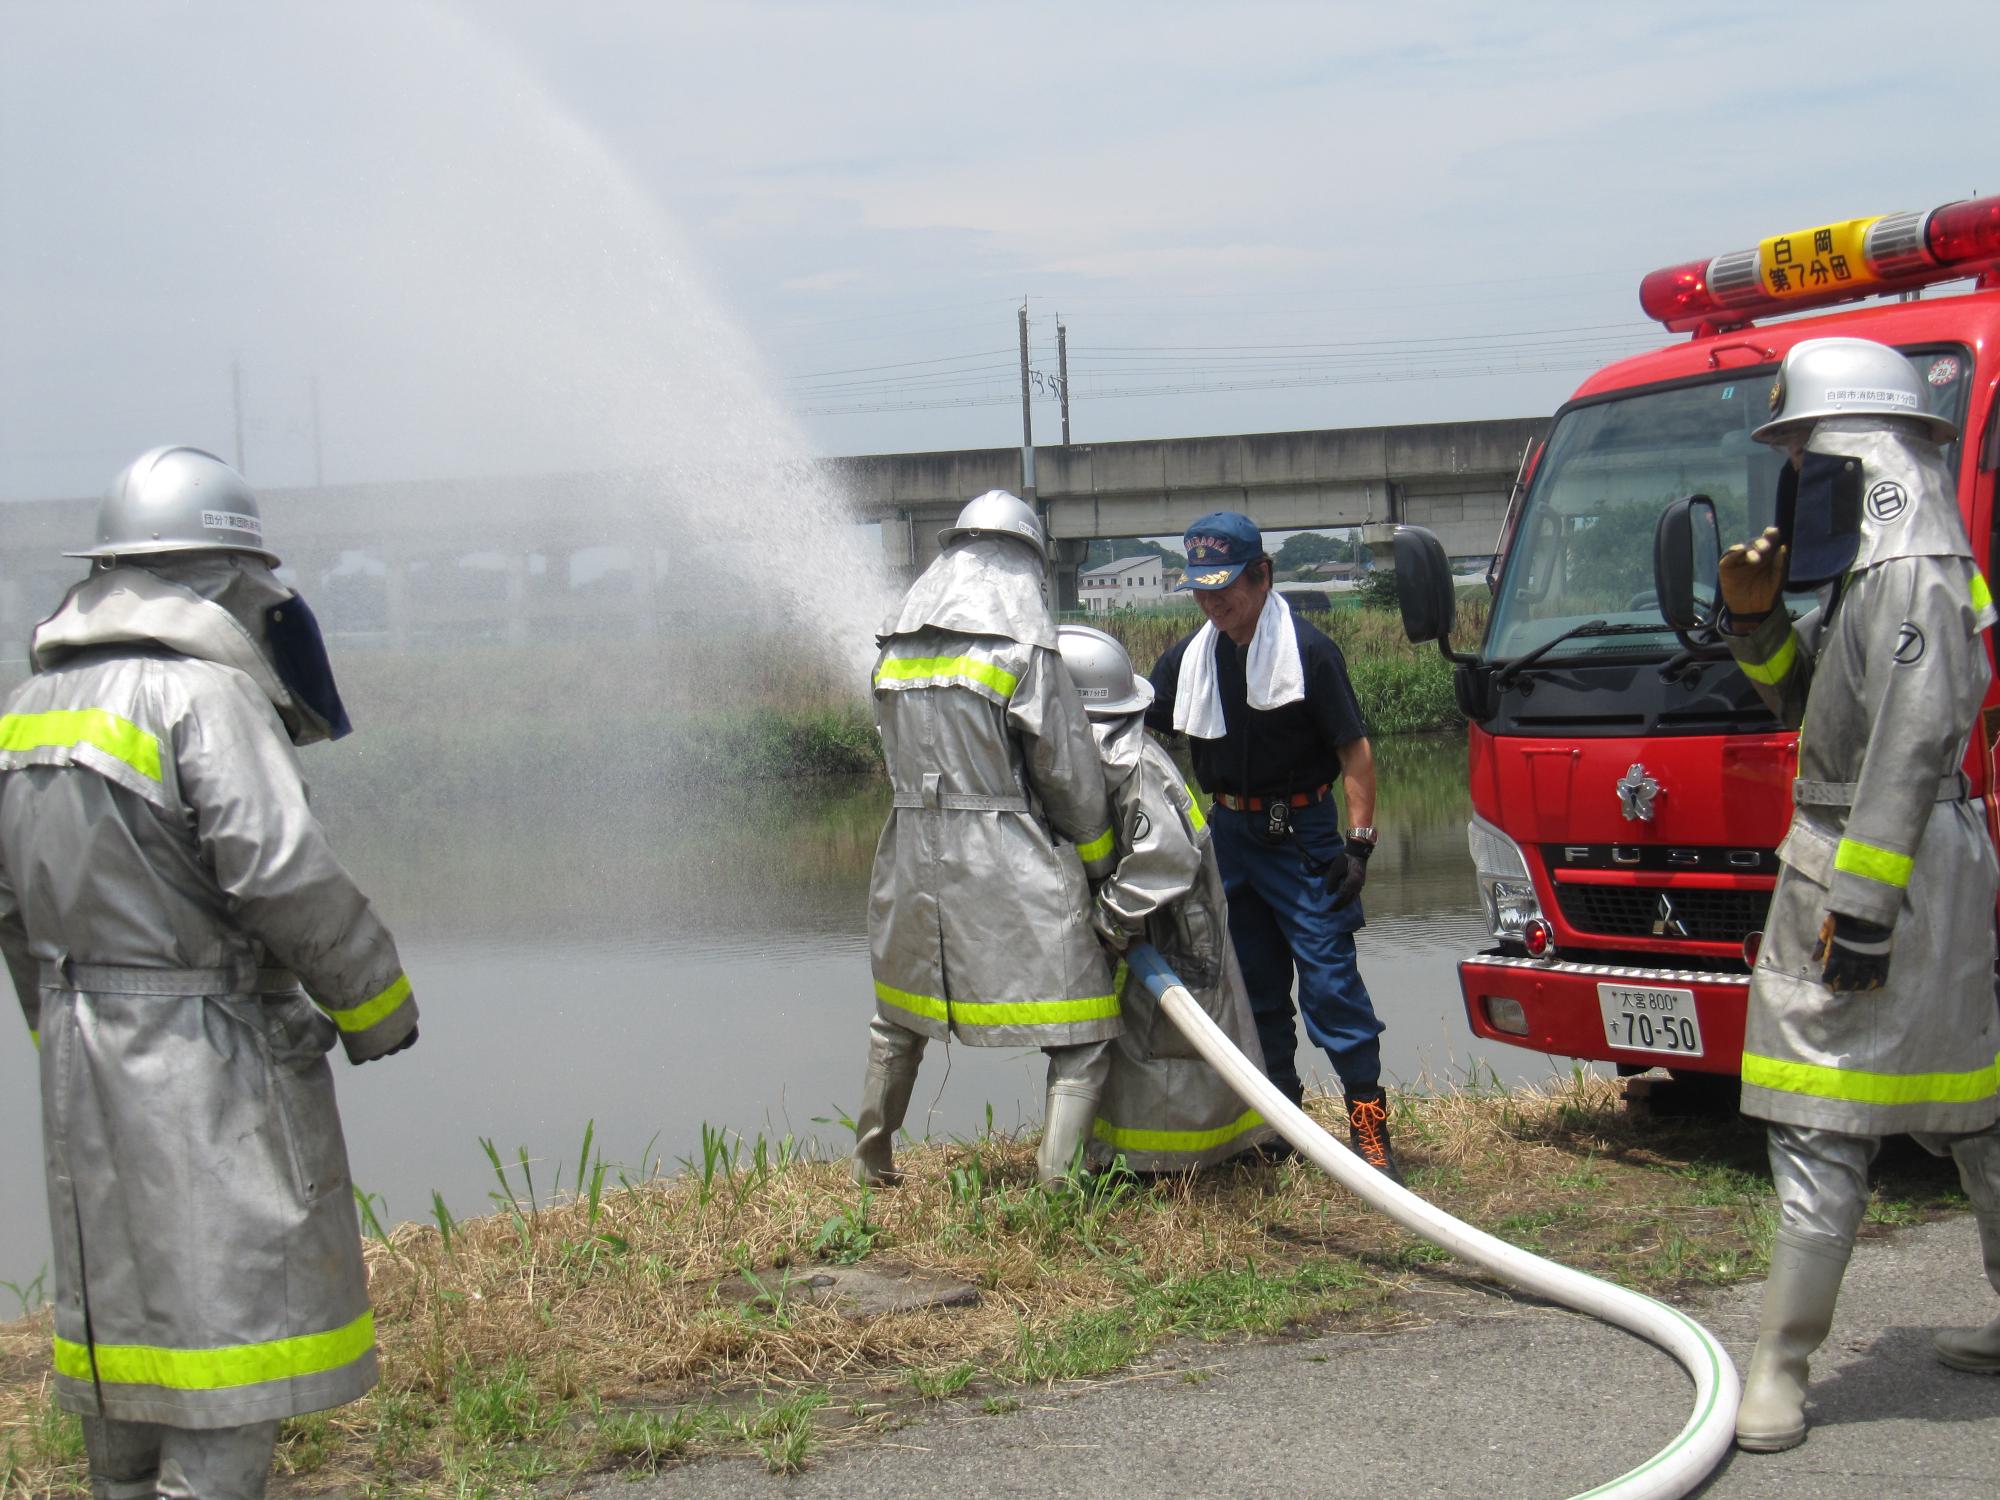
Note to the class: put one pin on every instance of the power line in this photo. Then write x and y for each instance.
(902, 364)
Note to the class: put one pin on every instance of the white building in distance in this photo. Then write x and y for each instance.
(1124, 584)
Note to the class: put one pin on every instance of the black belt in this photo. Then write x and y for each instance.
(1258, 804)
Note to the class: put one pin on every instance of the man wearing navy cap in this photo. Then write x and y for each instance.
(1270, 716)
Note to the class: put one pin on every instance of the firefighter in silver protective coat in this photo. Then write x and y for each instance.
(186, 949)
(1164, 1108)
(1872, 1008)
(979, 905)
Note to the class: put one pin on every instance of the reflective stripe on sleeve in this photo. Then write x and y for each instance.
(1175, 1140)
(1818, 1081)
(1885, 865)
(368, 1012)
(1001, 1012)
(1773, 671)
(1098, 848)
(1195, 815)
(916, 669)
(1982, 596)
(66, 728)
(36, 1038)
(218, 1369)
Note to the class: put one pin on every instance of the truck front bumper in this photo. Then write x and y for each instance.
(1559, 1003)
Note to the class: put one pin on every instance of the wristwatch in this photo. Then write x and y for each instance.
(1364, 835)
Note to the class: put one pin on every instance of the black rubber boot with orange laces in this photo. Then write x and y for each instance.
(1368, 1131)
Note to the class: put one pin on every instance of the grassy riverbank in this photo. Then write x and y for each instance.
(657, 1316)
(641, 716)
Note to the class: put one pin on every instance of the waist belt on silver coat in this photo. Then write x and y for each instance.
(118, 979)
(930, 796)
(1842, 793)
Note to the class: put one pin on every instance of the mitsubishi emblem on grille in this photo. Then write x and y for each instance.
(1636, 791)
(1667, 922)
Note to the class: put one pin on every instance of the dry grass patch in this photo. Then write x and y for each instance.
(543, 1342)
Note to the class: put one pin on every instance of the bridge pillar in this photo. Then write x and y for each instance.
(396, 600)
(517, 598)
(646, 589)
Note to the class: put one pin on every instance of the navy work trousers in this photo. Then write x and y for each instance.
(1282, 922)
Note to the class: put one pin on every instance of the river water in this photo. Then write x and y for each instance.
(652, 963)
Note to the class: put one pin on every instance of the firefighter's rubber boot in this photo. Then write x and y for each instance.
(1977, 1349)
(893, 1055)
(1076, 1083)
(1797, 1313)
(1368, 1131)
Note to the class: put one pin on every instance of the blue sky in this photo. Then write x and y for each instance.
(465, 240)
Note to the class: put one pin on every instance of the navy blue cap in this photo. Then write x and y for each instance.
(1219, 547)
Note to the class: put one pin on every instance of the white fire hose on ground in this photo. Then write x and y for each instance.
(1676, 1468)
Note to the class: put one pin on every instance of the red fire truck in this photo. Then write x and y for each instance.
(1628, 786)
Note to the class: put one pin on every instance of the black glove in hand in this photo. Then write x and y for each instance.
(1353, 876)
(403, 1046)
(1855, 954)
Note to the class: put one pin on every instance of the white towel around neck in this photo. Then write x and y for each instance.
(1273, 675)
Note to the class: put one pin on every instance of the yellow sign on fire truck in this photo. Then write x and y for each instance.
(1810, 261)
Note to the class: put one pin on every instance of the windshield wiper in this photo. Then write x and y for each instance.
(1508, 671)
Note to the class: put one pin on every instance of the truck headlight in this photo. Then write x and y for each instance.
(1504, 887)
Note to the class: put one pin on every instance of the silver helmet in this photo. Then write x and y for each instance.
(178, 500)
(998, 513)
(1847, 378)
(1102, 672)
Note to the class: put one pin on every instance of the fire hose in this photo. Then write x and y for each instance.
(1676, 1468)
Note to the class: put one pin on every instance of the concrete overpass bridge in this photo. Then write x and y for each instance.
(497, 557)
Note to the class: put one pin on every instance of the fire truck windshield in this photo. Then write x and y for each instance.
(1582, 549)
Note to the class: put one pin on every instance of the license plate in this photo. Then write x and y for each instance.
(1648, 1018)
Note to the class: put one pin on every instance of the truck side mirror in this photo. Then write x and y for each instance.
(1424, 588)
(1687, 551)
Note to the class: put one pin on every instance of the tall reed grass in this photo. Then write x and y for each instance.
(1402, 688)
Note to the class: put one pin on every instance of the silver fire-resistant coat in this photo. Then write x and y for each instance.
(1888, 691)
(1164, 1108)
(979, 905)
(164, 892)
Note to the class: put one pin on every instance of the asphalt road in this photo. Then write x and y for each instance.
(1491, 1398)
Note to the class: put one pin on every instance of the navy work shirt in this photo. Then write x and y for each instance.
(1267, 752)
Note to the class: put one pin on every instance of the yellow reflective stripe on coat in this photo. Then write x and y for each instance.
(368, 1012)
(1818, 1081)
(922, 1005)
(1856, 858)
(1098, 848)
(218, 1369)
(1773, 671)
(1000, 1012)
(69, 727)
(1176, 1140)
(1195, 815)
(912, 668)
(1982, 596)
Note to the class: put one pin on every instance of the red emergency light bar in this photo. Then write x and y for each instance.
(1829, 263)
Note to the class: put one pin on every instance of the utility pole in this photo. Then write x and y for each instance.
(1027, 419)
(319, 466)
(236, 405)
(1062, 373)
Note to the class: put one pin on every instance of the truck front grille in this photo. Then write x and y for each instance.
(1634, 910)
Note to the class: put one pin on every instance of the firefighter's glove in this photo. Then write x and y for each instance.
(1855, 954)
(1752, 575)
(1110, 931)
(357, 1055)
(1352, 872)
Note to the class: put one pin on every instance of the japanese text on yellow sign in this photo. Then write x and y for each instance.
(1811, 261)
